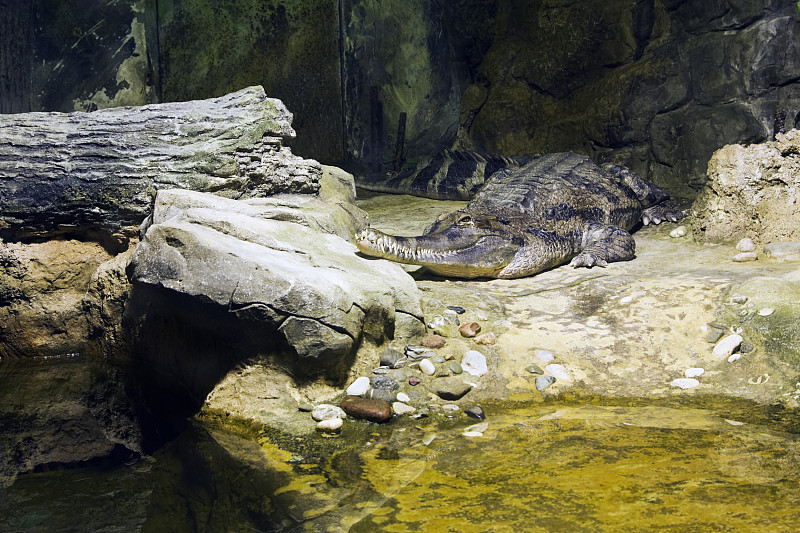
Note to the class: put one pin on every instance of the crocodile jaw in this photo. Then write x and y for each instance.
(464, 255)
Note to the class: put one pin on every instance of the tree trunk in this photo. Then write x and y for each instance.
(102, 169)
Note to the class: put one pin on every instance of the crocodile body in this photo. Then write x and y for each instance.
(448, 175)
(556, 209)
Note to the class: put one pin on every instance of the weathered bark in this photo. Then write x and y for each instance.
(102, 169)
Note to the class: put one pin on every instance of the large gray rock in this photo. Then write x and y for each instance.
(752, 192)
(262, 261)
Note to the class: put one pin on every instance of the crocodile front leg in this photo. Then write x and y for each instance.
(603, 244)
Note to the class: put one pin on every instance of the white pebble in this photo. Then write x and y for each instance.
(545, 356)
(766, 311)
(474, 363)
(694, 372)
(745, 256)
(726, 346)
(326, 411)
(403, 397)
(400, 408)
(333, 425)
(427, 367)
(734, 357)
(358, 387)
(685, 383)
(626, 299)
(680, 231)
(558, 371)
(746, 245)
(450, 407)
(734, 422)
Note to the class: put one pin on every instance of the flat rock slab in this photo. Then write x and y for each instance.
(271, 265)
(627, 330)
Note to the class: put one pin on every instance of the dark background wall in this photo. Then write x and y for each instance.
(655, 84)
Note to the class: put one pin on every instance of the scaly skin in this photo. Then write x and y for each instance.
(559, 208)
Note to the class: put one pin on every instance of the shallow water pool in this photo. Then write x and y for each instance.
(562, 466)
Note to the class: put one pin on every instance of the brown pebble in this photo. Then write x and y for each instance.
(367, 409)
(414, 381)
(470, 330)
(433, 341)
(486, 338)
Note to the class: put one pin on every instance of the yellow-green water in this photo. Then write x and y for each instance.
(573, 466)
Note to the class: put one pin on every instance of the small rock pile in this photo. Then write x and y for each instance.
(413, 381)
(729, 343)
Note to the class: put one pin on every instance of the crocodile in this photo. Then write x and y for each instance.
(447, 175)
(557, 208)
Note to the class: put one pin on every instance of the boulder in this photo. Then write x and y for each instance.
(752, 192)
(267, 261)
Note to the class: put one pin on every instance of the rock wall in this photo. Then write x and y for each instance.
(655, 84)
(72, 55)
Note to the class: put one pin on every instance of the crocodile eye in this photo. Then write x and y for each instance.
(465, 220)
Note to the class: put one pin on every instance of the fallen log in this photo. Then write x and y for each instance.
(101, 170)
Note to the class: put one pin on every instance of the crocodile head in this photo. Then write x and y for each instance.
(459, 245)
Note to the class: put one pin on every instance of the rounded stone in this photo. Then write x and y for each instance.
(486, 339)
(728, 345)
(326, 411)
(558, 371)
(438, 360)
(470, 330)
(746, 245)
(533, 369)
(542, 382)
(305, 407)
(766, 311)
(427, 367)
(401, 408)
(457, 309)
(450, 389)
(694, 372)
(734, 357)
(331, 426)
(414, 381)
(678, 232)
(545, 356)
(743, 257)
(476, 412)
(433, 341)
(359, 387)
(474, 363)
(403, 397)
(685, 383)
(366, 409)
(455, 368)
(384, 383)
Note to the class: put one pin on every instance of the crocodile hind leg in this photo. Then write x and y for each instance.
(603, 244)
(666, 211)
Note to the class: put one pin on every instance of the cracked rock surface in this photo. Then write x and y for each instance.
(267, 260)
